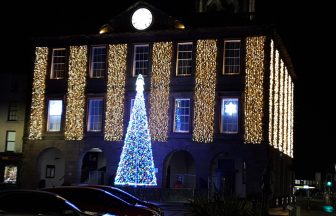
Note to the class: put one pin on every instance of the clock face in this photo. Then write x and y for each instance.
(142, 18)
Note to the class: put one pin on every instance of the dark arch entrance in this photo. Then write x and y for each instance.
(94, 167)
(179, 170)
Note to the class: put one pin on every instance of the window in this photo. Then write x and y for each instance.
(10, 141)
(98, 62)
(95, 117)
(182, 115)
(141, 60)
(184, 59)
(10, 174)
(58, 63)
(55, 109)
(12, 111)
(50, 171)
(229, 115)
(132, 104)
(231, 57)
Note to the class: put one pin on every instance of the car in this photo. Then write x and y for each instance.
(128, 197)
(34, 202)
(99, 201)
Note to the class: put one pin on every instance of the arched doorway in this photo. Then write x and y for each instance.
(180, 170)
(51, 167)
(94, 167)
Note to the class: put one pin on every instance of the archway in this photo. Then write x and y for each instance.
(94, 167)
(180, 170)
(51, 167)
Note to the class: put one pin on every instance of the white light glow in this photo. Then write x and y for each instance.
(230, 108)
(140, 84)
(55, 107)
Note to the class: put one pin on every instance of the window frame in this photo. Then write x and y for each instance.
(12, 111)
(134, 68)
(88, 115)
(92, 63)
(239, 57)
(221, 115)
(61, 116)
(174, 118)
(50, 171)
(178, 59)
(8, 142)
(52, 72)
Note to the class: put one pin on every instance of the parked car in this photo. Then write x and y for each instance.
(99, 201)
(128, 197)
(33, 202)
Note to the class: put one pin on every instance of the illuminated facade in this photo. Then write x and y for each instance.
(220, 104)
(12, 117)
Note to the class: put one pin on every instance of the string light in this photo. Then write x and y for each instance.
(38, 94)
(292, 119)
(114, 116)
(159, 96)
(281, 97)
(255, 55)
(136, 166)
(276, 102)
(285, 126)
(205, 86)
(271, 95)
(74, 124)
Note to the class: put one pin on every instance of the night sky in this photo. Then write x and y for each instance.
(305, 30)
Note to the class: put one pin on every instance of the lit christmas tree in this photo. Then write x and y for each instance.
(136, 165)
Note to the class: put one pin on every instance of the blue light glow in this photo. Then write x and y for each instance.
(136, 165)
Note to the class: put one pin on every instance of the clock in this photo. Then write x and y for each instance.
(142, 18)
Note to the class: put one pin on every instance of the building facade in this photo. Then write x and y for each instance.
(12, 120)
(219, 100)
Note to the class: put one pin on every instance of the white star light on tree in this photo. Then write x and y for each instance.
(230, 108)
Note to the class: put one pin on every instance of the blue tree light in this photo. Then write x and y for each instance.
(136, 165)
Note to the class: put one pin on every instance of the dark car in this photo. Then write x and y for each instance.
(33, 202)
(99, 201)
(128, 197)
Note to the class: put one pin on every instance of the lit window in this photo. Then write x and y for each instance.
(12, 111)
(50, 171)
(55, 108)
(229, 115)
(182, 115)
(231, 57)
(95, 117)
(10, 140)
(98, 62)
(184, 59)
(132, 104)
(10, 174)
(58, 64)
(141, 60)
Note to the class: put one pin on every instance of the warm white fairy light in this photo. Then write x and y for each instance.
(116, 79)
(38, 94)
(254, 64)
(159, 91)
(292, 119)
(285, 122)
(281, 106)
(276, 101)
(205, 86)
(75, 107)
(271, 95)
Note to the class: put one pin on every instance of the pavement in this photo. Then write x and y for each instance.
(173, 208)
(314, 207)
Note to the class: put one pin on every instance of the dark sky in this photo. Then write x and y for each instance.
(305, 30)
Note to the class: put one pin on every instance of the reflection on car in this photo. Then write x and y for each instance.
(33, 202)
(128, 197)
(99, 201)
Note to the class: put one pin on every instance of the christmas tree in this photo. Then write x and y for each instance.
(136, 165)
